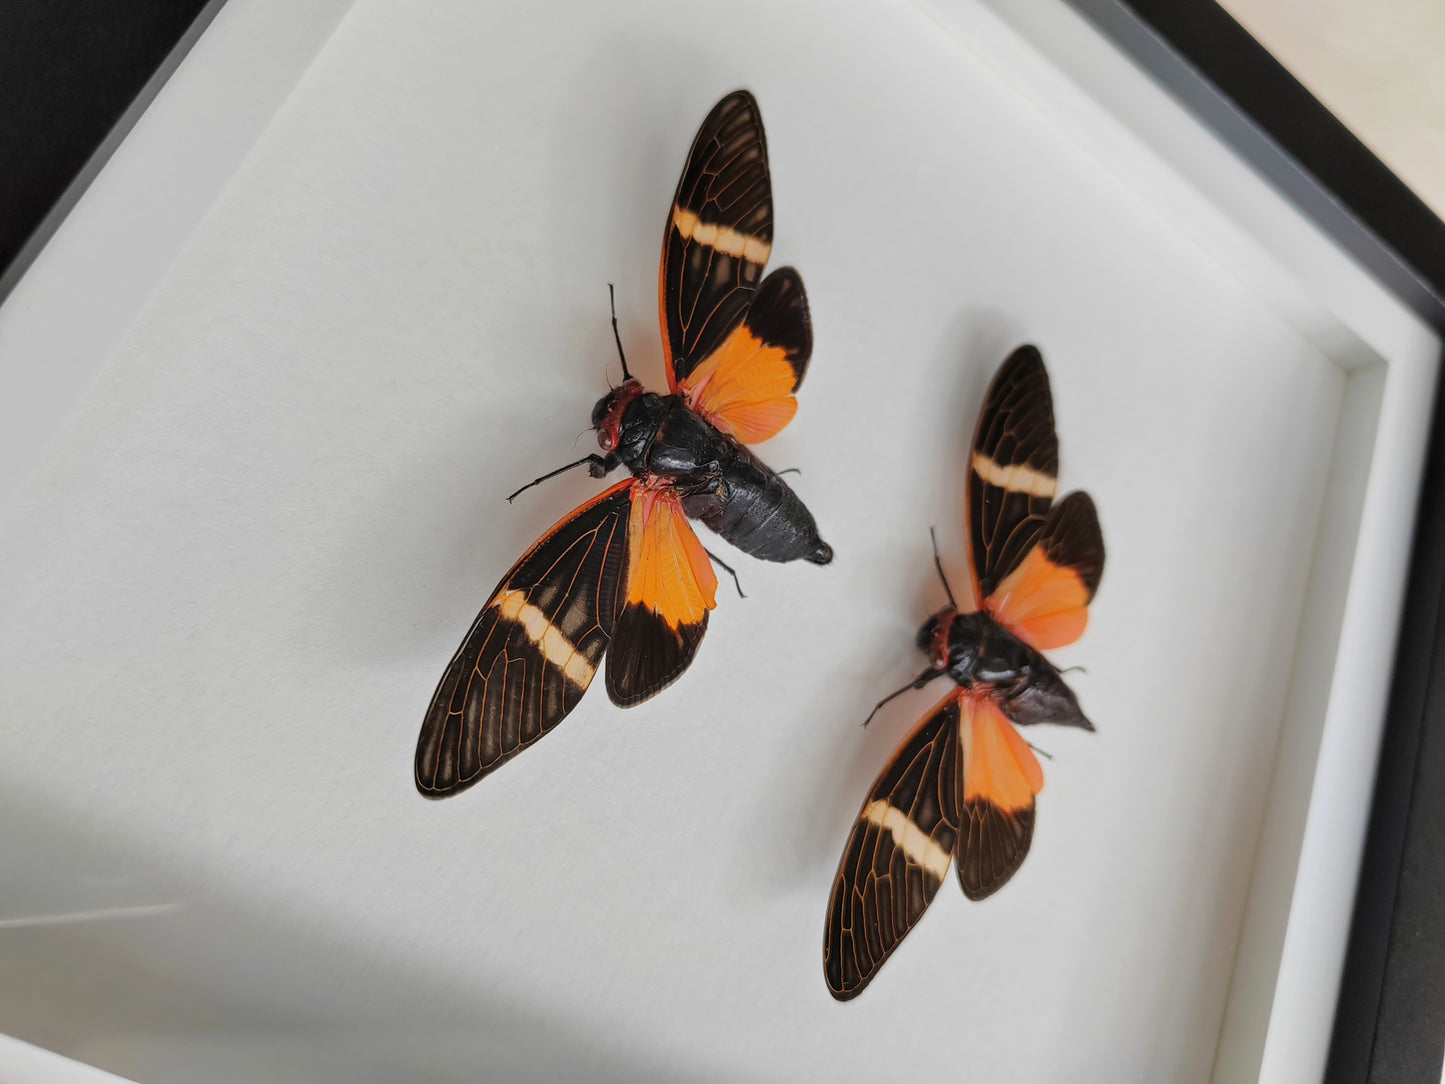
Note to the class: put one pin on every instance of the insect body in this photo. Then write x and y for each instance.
(717, 479)
(962, 787)
(624, 575)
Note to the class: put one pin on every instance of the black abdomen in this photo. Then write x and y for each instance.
(721, 482)
(758, 513)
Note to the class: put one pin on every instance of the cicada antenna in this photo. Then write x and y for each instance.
(612, 300)
(938, 564)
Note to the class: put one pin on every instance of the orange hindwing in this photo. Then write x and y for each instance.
(746, 386)
(671, 587)
(1045, 599)
(999, 778)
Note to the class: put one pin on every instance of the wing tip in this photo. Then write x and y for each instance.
(1025, 355)
(434, 786)
(742, 94)
(837, 983)
(426, 771)
(434, 793)
(740, 99)
(1024, 365)
(726, 109)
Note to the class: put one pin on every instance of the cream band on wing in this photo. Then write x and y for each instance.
(727, 241)
(909, 838)
(1015, 479)
(554, 645)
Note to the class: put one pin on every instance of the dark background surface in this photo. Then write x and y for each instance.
(1244, 72)
(75, 73)
(69, 70)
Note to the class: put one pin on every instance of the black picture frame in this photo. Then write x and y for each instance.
(76, 74)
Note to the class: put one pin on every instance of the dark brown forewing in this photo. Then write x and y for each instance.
(718, 236)
(897, 855)
(1013, 470)
(532, 651)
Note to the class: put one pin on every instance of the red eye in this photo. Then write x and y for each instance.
(611, 410)
(938, 650)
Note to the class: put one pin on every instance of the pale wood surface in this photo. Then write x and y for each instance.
(1378, 66)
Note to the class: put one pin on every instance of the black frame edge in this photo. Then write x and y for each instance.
(1232, 83)
(142, 44)
(1390, 1013)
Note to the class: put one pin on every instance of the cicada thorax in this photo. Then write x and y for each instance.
(719, 481)
(983, 652)
(984, 658)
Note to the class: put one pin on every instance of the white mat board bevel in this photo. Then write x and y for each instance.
(22, 1063)
(230, 587)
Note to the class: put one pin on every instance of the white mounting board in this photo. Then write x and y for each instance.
(230, 580)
